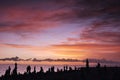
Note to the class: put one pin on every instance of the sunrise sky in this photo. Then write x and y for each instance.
(56, 29)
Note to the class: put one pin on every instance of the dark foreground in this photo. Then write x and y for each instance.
(67, 73)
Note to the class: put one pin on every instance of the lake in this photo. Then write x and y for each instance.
(22, 65)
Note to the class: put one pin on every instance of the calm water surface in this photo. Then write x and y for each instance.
(22, 67)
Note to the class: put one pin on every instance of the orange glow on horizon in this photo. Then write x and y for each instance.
(42, 62)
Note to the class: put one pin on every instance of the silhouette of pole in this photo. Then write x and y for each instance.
(41, 70)
(34, 69)
(7, 73)
(87, 63)
(15, 70)
(98, 65)
(28, 69)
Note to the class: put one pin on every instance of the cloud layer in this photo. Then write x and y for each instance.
(21, 15)
(60, 60)
(96, 24)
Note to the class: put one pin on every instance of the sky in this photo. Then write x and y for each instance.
(56, 29)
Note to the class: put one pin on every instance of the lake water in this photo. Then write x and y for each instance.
(22, 67)
(45, 65)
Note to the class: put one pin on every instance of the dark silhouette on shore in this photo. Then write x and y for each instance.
(28, 69)
(67, 73)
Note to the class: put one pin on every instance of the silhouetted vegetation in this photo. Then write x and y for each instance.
(67, 73)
